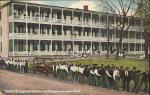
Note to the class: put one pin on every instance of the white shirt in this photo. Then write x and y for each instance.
(6, 62)
(53, 67)
(23, 63)
(73, 68)
(20, 63)
(126, 73)
(11, 62)
(115, 73)
(57, 67)
(92, 72)
(64, 67)
(15, 63)
(96, 72)
(108, 74)
(81, 70)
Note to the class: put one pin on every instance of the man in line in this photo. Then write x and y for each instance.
(145, 80)
(116, 77)
(126, 79)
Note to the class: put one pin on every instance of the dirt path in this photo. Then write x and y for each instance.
(27, 82)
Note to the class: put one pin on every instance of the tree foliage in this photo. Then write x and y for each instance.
(143, 12)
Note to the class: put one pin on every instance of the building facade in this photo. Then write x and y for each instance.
(32, 29)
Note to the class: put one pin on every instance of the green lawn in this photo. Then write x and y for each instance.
(140, 64)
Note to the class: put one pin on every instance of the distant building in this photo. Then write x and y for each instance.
(32, 29)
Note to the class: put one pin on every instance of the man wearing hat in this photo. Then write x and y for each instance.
(145, 80)
(126, 79)
(81, 69)
(92, 79)
(97, 76)
(73, 69)
(116, 77)
(121, 72)
(134, 77)
(76, 76)
(54, 69)
(26, 66)
(85, 74)
(108, 77)
(136, 87)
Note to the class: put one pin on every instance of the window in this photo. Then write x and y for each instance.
(138, 47)
(53, 32)
(138, 35)
(10, 45)
(80, 33)
(132, 45)
(35, 46)
(132, 34)
(43, 46)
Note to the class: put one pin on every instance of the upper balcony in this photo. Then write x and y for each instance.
(54, 15)
(75, 21)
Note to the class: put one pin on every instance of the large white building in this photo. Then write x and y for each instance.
(28, 29)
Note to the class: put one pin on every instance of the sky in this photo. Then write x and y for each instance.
(92, 4)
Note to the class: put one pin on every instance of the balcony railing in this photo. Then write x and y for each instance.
(36, 19)
(65, 21)
(71, 38)
(53, 20)
(45, 20)
(18, 17)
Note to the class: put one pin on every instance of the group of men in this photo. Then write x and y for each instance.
(106, 76)
(110, 76)
(16, 65)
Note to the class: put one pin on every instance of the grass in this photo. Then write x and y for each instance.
(139, 64)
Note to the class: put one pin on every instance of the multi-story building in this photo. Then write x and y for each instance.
(33, 29)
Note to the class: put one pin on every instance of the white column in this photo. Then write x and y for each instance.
(129, 48)
(128, 38)
(91, 25)
(39, 34)
(82, 18)
(91, 42)
(82, 45)
(62, 46)
(31, 46)
(62, 39)
(91, 19)
(99, 45)
(31, 14)
(51, 33)
(62, 15)
(73, 31)
(13, 30)
(91, 47)
(27, 50)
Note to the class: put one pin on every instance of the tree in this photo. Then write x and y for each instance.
(121, 9)
(143, 12)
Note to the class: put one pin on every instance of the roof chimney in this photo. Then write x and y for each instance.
(85, 7)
